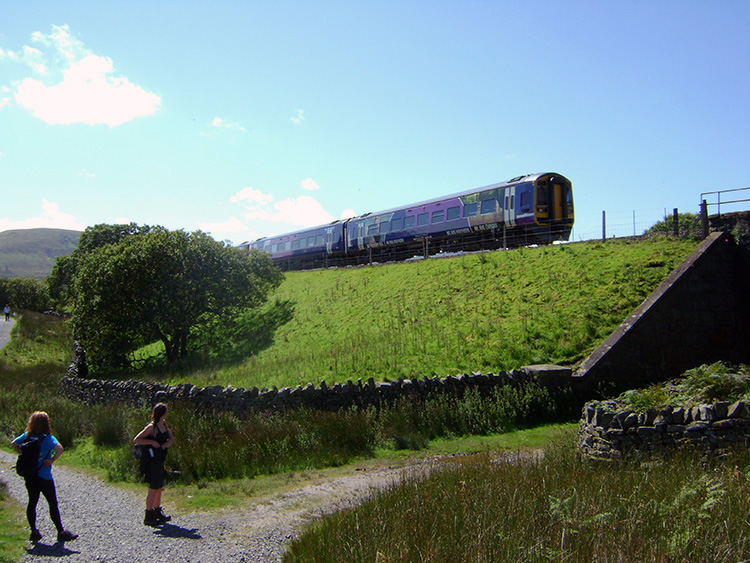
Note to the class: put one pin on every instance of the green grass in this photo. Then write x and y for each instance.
(555, 508)
(483, 312)
(13, 528)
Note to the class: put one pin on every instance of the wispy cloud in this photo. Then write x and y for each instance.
(298, 117)
(70, 84)
(219, 123)
(51, 218)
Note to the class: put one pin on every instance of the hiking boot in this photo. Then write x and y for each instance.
(65, 535)
(151, 518)
(160, 516)
(36, 535)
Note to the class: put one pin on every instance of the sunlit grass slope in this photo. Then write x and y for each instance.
(481, 312)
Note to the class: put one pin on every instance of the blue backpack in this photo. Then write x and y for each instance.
(28, 463)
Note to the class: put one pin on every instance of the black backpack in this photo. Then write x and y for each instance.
(28, 464)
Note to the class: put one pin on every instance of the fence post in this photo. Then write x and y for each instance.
(675, 220)
(604, 225)
(704, 218)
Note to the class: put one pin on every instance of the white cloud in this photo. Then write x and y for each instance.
(51, 218)
(251, 194)
(74, 85)
(348, 214)
(221, 124)
(233, 225)
(86, 174)
(303, 211)
(298, 117)
(309, 185)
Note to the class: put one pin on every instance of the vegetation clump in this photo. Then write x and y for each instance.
(701, 385)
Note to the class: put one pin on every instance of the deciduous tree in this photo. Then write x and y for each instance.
(158, 284)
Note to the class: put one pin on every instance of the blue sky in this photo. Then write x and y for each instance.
(246, 119)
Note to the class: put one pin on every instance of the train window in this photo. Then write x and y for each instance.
(397, 225)
(372, 230)
(385, 228)
(506, 202)
(541, 195)
(488, 206)
(422, 219)
(273, 248)
(438, 216)
(295, 245)
(453, 213)
(470, 209)
(525, 201)
(409, 222)
(310, 241)
(512, 202)
(319, 240)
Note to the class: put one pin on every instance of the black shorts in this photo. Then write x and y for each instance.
(153, 474)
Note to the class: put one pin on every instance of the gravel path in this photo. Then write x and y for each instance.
(5, 330)
(110, 520)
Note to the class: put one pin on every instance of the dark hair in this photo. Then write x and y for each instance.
(160, 409)
(38, 424)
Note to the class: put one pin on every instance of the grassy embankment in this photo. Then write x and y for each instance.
(481, 312)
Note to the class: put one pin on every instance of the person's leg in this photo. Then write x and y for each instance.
(151, 499)
(49, 492)
(32, 487)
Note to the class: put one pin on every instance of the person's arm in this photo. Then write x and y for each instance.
(146, 437)
(58, 449)
(16, 445)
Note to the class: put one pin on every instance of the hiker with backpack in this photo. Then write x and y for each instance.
(154, 440)
(38, 449)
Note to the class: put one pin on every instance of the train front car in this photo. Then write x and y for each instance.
(553, 207)
(525, 210)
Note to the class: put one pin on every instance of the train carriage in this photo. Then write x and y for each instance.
(524, 210)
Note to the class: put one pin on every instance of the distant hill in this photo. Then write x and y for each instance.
(31, 253)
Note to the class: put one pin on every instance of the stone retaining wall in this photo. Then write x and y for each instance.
(608, 435)
(322, 397)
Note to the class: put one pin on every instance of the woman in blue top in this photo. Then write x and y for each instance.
(49, 451)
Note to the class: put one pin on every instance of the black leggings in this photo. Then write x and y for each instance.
(46, 487)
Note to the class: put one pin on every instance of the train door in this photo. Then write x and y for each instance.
(509, 205)
(329, 240)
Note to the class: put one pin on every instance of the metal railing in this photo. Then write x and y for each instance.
(719, 203)
(705, 204)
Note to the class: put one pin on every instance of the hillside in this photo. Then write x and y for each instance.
(32, 252)
(481, 312)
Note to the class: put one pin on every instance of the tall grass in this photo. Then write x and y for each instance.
(557, 508)
(486, 312)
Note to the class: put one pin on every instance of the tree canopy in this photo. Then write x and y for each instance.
(129, 286)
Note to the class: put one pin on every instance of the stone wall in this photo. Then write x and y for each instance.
(322, 397)
(607, 433)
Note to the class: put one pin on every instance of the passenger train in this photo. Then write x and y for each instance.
(532, 209)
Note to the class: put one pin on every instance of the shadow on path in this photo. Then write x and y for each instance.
(172, 531)
(56, 549)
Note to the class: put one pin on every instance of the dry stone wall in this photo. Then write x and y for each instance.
(607, 433)
(322, 397)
